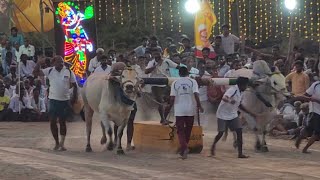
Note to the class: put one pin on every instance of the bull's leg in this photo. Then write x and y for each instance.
(119, 137)
(111, 143)
(105, 124)
(264, 147)
(88, 118)
(104, 136)
(258, 142)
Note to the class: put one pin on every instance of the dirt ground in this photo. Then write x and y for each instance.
(25, 153)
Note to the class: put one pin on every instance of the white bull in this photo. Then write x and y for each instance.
(113, 100)
(262, 98)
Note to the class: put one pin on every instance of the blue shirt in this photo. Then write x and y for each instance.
(18, 39)
(174, 72)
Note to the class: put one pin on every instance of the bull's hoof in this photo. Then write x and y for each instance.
(264, 149)
(130, 148)
(88, 148)
(120, 152)
(258, 146)
(110, 146)
(103, 140)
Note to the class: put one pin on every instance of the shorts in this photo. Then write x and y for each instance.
(161, 94)
(231, 124)
(59, 109)
(314, 123)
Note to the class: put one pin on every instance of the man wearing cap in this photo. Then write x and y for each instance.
(187, 49)
(95, 62)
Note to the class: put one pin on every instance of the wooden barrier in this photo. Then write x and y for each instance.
(151, 135)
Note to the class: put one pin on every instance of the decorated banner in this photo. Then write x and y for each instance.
(204, 21)
(76, 40)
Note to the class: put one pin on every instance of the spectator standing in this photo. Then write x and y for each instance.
(140, 50)
(218, 49)
(95, 62)
(183, 93)
(224, 67)
(60, 79)
(159, 67)
(27, 49)
(4, 103)
(103, 67)
(15, 37)
(228, 40)
(299, 80)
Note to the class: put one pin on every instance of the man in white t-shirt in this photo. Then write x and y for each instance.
(185, 98)
(95, 62)
(104, 67)
(228, 40)
(313, 95)
(227, 114)
(60, 79)
(159, 67)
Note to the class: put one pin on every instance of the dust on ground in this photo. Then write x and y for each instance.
(25, 153)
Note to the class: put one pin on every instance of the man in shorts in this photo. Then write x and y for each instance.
(313, 95)
(227, 114)
(60, 102)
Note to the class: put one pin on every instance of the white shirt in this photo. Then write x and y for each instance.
(223, 70)
(203, 90)
(183, 90)
(27, 70)
(288, 112)
(194, 72)
(228, 43)
(59, 83)
(94, 63)
(161, 70)
(314, 92)
(41, 106)
(29, 51)
(100, 70)
(226, 110)
(14, 103)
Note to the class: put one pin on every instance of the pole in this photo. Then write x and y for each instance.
(242, 38)
(289, 60)
(19, 84)
(42, 26)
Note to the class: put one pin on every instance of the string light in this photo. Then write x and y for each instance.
(270, 20)
(245, 18)
(288, 25)
(129, 9)
(240, 17)
(256, 22)
(266, 21)
(305, 20)
(171, 16)
(261, 21)
(106, 3)
(121, 12)
(281, 17)
(318, 23)
(277, 18)
(180, 19)
(229, 13)
(113, 12)
(99, 12)
(300, 22)
(220, 19)
(153, 14)
(161, 16)
(311, 20)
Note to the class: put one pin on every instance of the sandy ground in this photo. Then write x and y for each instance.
(25, 153)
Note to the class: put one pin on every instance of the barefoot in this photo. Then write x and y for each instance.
(297, 143)
(213, 149)
(242, 156)
(305, 151)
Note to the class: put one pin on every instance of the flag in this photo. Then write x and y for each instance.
(204, 21)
